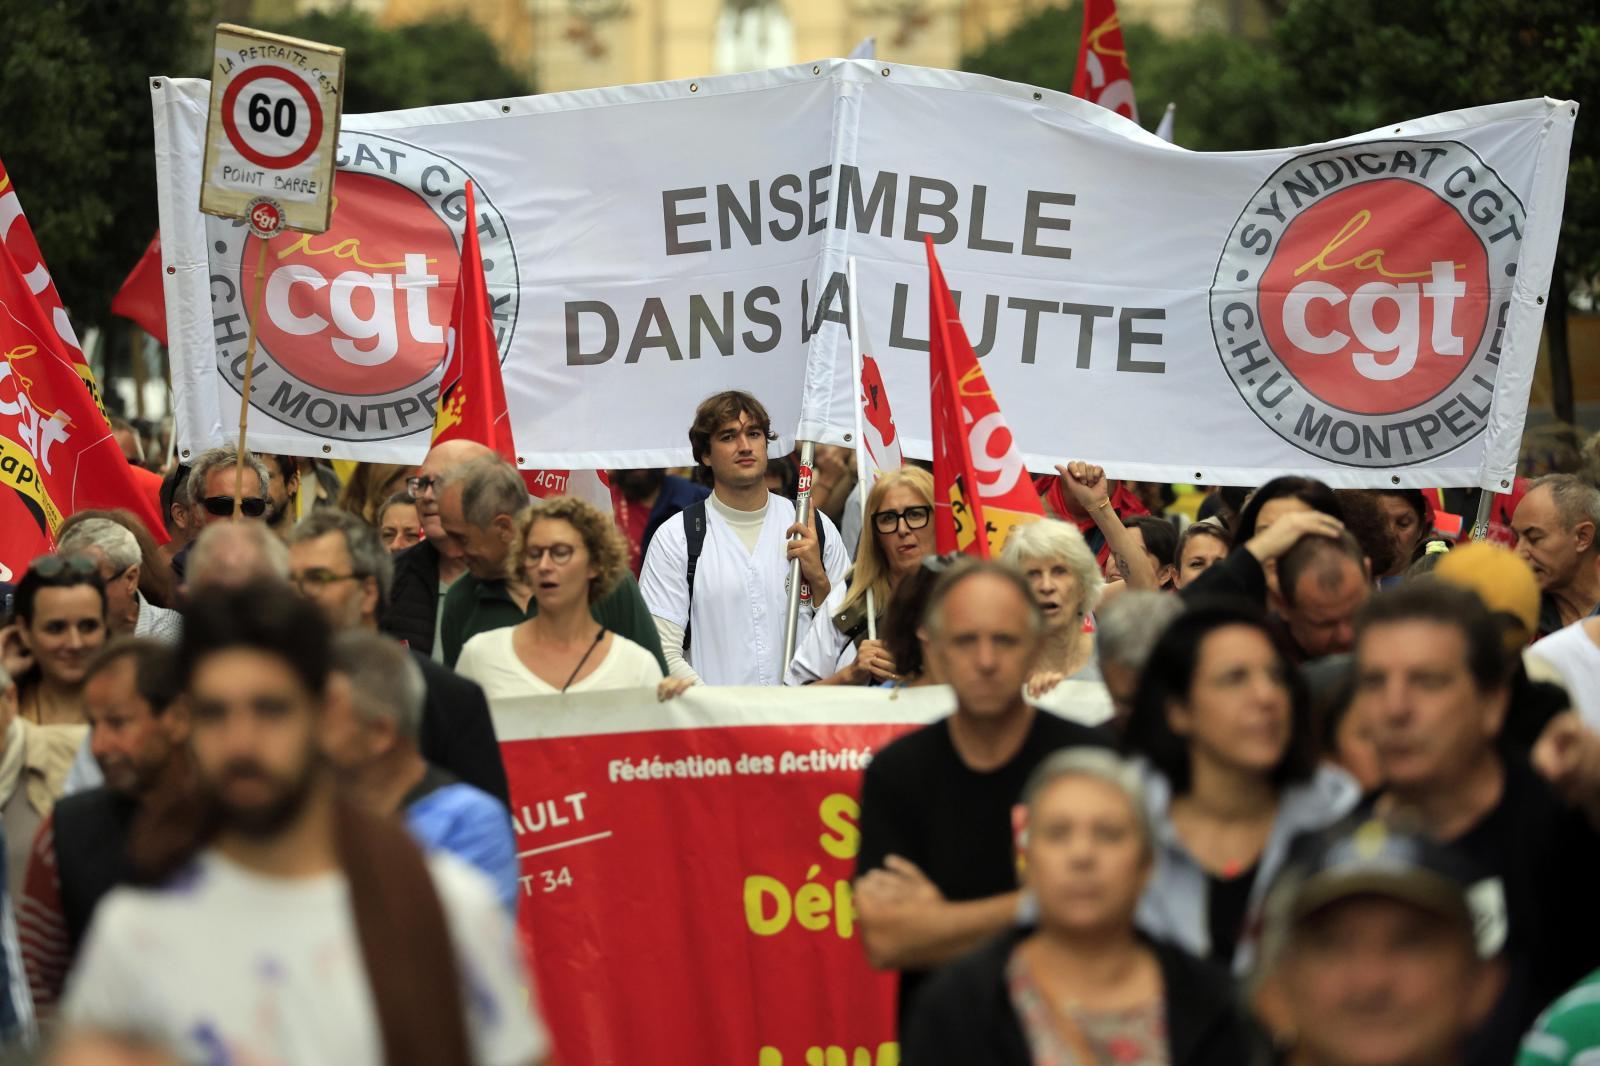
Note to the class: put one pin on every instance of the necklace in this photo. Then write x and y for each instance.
(587, 652)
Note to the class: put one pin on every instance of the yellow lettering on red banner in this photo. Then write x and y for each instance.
(833, 1055)
(18, 471)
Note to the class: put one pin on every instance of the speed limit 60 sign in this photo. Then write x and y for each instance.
(274, 130)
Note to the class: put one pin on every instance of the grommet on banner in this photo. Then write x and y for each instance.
(1038, 96)
(327, 447)
(505, 109)
(1395, 480)
(885, 72)
(847, 438)
(186, 453)
(1198, 476)
(172, 270)
(694, 86)
(155, 83)
(816, 70)
(1505, 484)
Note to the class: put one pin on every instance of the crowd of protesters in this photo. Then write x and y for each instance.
(1270, 775)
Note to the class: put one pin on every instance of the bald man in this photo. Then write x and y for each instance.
(425, 571)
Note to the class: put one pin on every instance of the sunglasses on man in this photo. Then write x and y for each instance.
(222, 506)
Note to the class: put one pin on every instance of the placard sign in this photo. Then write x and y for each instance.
(273, 130)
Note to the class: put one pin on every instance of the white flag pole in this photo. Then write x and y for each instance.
(857, 343)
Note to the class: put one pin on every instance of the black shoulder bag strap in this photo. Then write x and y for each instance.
(694, 532)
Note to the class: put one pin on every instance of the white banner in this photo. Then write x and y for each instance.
(1366, 310)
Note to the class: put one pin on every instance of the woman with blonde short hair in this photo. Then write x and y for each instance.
(571, 555)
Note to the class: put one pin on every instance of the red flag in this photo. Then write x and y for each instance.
(57, 453)
(472, 398)
(142, 296)
(17, 237)
(969, 437)
(1103, 76)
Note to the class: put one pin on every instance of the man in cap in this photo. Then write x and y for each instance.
(1377, 961)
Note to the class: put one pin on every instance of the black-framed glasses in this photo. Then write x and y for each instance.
(222, 506)
(418, 485)
(56, 565)
(914, 518)
(319, 579)
(559, 554)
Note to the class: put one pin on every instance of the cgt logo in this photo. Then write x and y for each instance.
(351, 339)
(1360, 302)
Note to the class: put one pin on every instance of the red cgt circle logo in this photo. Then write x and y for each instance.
(1359, 301)
(351, 331)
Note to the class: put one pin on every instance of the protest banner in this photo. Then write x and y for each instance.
(686, 868)
(1366, 310)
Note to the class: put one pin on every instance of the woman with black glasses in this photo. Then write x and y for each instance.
(571, 555)
(896, 537)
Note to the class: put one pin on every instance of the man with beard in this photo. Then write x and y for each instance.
(283, 486)
(137, 729)
(647, 498)
(289, 925)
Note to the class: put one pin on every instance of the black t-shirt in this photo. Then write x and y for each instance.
(1227, 901)
(921, 802)
(1541, 859)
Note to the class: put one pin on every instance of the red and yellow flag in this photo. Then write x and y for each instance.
(472, 398)
(1103, 76)
(57, 453)
(981, 487)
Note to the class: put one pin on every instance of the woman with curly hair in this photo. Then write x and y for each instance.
(571, 555)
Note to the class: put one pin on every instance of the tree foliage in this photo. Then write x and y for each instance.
(436, 61)
(76, 135)
(1331, 68)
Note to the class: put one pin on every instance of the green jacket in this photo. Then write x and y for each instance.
(473, 606)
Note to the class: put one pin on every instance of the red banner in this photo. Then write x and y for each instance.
(1103, 75)
(142, 296)
(686, 872)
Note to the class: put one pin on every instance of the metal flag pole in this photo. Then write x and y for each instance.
(857, 344)
(1480, 524)
(802, 508)
(249, 372)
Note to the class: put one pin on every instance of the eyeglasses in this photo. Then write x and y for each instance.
(56, 565)
(319, 579)
(222, 506)
(889, 521)
(418, 485)
(559, 554)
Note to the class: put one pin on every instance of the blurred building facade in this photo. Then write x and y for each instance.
(583, 44)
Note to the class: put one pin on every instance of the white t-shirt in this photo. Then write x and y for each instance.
(227, 965)
(491, 661)
(822, 650)
(740, 595)
(1576, 658)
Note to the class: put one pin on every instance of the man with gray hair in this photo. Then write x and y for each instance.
(1126, 631)
(481, 504)
(1556, 525)
(115, 551)
(337, 561)
(370, 734)
(936, 876)
(233, 554)
(211, 487)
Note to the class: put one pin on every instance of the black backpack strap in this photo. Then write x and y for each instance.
(694, 534)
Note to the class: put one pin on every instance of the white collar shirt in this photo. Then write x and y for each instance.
(740, 601)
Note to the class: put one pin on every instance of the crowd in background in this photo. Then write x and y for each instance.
(1270, 774)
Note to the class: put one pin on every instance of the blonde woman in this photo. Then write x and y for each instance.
(571, 555)
(897, 536)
